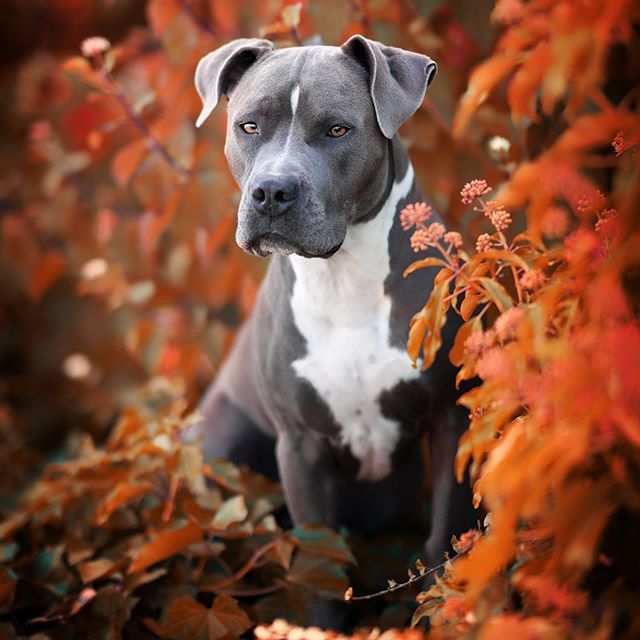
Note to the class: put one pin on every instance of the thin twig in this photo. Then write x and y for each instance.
(410, 581)
(456, 293)
(248, 566)
(174, 485)
(296, 36)
(119, 94)
(248, 593)
(222, 563)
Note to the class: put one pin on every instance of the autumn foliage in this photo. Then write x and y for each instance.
(122, 290)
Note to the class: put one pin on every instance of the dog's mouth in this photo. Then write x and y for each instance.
(274, 243)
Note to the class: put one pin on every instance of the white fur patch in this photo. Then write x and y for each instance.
(295, 94)
(340, 307)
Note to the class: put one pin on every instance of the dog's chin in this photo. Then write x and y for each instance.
(276, 244)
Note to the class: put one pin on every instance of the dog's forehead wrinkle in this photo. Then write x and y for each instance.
(313, 69)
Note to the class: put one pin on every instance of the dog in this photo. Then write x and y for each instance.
(318, 390)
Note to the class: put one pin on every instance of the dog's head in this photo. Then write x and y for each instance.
(307, 134)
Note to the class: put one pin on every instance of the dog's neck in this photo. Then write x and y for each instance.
(357, 271)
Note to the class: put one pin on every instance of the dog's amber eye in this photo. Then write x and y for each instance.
(338, 131)
(250, 127)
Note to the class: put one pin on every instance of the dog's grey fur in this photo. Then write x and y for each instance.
(318, 390)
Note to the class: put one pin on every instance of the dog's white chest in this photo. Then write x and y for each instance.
(340, 308)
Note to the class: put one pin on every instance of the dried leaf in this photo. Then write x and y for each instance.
(187, 619)
(164, 544)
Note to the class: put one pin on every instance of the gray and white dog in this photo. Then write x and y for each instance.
(318, 389)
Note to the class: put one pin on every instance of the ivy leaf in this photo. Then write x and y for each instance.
(282, 552)
(165, 544)
(321, 575)
(187, 619)
(317, 539)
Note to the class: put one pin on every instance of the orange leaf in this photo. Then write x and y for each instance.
(165, 544)
(483, 80)
(524, 85)
(416, 334)
(431, 261)
(95, 569)
(426, 327)
(121, 494)
(497, 293)
(456, 355)
(128, 160)
(161, 14)
(225, 15)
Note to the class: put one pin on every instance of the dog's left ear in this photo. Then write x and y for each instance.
(398, 79)
(219, 71)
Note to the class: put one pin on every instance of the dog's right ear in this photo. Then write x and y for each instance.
(219, 71)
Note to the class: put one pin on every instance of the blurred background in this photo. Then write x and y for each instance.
(121, 288)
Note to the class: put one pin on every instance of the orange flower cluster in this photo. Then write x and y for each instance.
(474, 190)
(417, 215)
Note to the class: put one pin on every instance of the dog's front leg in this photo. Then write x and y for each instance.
(310, 478)
(452, 511)
(311, 483)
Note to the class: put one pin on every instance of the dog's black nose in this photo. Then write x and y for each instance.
(274, 195)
